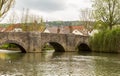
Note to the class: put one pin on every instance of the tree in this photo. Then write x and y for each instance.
(5, 5)
(24, 19)
(86, 16)
(107, 12)
(13, 18)
(32, 22)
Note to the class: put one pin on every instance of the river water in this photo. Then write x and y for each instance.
(59, 64)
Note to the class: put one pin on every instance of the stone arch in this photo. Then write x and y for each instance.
(18, 44)
(57, 46)
(84, 47)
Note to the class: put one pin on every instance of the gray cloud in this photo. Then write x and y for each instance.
(42, 5)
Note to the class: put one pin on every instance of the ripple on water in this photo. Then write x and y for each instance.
(63, 65)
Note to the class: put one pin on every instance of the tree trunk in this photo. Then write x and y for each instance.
(110, 27)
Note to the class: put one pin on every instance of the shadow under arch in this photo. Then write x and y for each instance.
(18, 45)
(83, 47)
(56, 46)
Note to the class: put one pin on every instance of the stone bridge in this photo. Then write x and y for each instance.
(35, 41)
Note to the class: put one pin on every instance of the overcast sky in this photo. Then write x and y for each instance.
(52, 10)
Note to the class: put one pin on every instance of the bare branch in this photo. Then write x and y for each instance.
(5, 6)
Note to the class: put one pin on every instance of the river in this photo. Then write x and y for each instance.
(59, 64)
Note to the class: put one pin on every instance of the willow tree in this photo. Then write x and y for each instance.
(5, 6)
(107, 12)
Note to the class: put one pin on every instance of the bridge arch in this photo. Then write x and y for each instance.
(83, 47)
(57, 46)
(18, 44)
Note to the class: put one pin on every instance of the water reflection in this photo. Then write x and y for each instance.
(11, 56)
(60, 64)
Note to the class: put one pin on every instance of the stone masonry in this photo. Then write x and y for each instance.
(35, 41)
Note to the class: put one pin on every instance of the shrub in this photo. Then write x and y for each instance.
(106, 41)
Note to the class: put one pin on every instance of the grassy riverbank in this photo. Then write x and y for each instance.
(106, 41)
(15, 47)
(9, 47)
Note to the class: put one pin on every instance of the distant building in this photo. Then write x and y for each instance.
(52, 29)
(93, 32)
(2, 29)
(13, 28)
(46, 31)
(78, 30)
(64, 30)
(17, 30)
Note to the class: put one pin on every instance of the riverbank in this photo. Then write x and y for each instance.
(9, 48)
(106, 41)
(8, 51)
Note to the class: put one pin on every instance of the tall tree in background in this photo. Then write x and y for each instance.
(32, 22)
(24, 19)
(13, 18)
(5, 5)
(107, 12)
(86, 16)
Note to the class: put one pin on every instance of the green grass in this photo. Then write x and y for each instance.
(106, 41)
(8, 46)
(48, 48)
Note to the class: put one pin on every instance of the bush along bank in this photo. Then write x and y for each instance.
(9, 47)
(106, 41)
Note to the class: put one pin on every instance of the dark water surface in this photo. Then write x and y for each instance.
(59, 64)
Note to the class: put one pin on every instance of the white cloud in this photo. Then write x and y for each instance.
(54, 9)
(42, 5)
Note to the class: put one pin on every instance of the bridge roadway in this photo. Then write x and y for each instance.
(35, 41)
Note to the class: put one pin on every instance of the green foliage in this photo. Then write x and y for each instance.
(7, 46)
(99, 25)
(48, 47)
(66, 23)
(4, 46)
(107, 12)
(106, 41)
(39, 27)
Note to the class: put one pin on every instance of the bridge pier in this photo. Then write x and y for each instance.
(34, 42)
